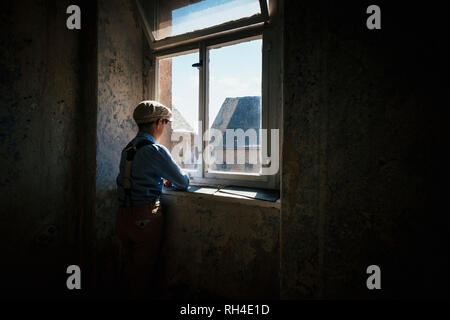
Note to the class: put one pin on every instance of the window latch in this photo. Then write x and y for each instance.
(198, 64)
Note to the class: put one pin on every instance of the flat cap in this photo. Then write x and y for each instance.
(149, 110)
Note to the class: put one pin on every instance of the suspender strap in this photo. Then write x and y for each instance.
(131, 152)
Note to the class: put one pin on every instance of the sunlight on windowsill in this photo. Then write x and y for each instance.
(247, 196)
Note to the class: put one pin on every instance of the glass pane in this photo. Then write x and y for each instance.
(235, 107)
(182, 16)
(178, 89)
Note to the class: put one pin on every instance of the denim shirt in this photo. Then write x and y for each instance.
(151, 164)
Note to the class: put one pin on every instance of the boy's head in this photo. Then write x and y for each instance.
(151, 117)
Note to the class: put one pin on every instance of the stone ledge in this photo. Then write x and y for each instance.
(213, 193)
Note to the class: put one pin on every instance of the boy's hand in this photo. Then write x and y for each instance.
(167, 183)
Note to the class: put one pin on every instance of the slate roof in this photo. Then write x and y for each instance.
(179, 123)
(239, 113)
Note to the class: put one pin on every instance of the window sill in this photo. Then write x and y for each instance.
(223, 194)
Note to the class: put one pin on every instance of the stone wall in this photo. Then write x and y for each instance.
(42, 135)
(363, 121)
(219, 248)
(364, 170)
(120, 89)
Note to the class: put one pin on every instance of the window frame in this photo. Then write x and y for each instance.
(221, 176)
(187, 43)
(149, 23)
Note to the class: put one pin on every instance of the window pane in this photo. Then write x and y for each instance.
(182, 16)
(178, 89)
(235, 107)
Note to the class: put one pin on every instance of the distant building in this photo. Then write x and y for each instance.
(235, 113)
(239, 113)
(179, 123)
(181, 126)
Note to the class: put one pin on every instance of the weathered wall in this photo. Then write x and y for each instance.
(41, 138)
(217, 248)
(120, 89)
(67, 99)
(362, 120)
(228, 261)
(363, 158)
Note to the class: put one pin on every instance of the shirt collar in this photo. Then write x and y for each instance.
(145, 135)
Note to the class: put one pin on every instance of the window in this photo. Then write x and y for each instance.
(234, 105)
(178, 88)
(179, 17)
(209, 69)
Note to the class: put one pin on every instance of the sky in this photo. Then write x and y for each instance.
(207, 13)
(235, 71)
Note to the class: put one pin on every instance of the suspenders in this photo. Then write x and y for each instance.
(131, 151)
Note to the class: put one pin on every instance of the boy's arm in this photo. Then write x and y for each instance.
(170, 170)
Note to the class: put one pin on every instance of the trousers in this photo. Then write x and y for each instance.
(139, 230)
